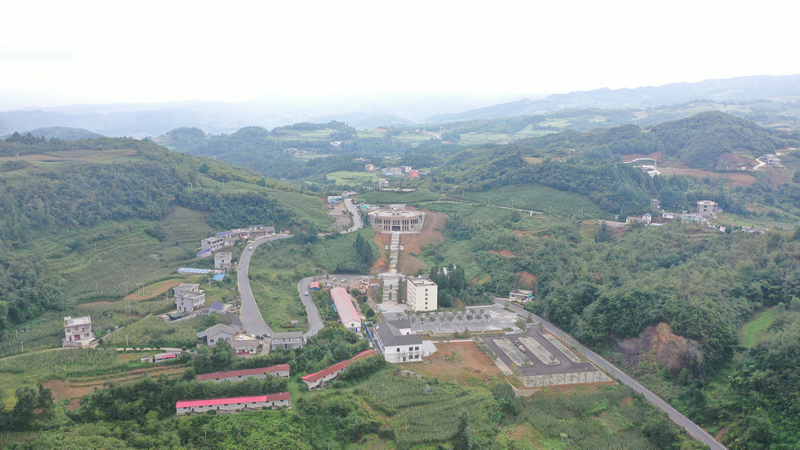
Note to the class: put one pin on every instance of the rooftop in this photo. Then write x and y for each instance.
(220, 328)
(76, 321)
(390, 335)
(344, 306)
(227, 401)
(312, 377)
(287, 335)
(242, 373)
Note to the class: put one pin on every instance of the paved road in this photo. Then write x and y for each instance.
(692, 428)
(251, 318)
(314, 318)
(357, 222)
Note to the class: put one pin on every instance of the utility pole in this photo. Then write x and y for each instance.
(127, 300)
(23, 346)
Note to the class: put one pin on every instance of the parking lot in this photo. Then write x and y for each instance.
(474, 319)
(552, 362)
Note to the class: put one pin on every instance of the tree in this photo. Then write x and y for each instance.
(23, 409)
(463, 437)
(604, 233)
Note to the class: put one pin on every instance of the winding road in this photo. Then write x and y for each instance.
(252, 322)
(251, 318)
(692, 428)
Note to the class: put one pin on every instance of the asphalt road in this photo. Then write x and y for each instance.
(314, 318)
(250, 316)
(692, 428)
(357, 222)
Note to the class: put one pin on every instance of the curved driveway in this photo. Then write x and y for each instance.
(357, 222)
(252, 322)
(692, 428)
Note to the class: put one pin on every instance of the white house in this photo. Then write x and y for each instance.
(281, 370)
(189, 297)
(344, 307)
(520, 295)
(222, 260)
(421, 294)
(291, 339)
(245, 346)
(707, 209)
(233, 404)
(77, 331)
(220, 332)
(395, 341)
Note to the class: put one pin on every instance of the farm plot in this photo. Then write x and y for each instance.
(567, 352)
(513, 352)
(538, 349)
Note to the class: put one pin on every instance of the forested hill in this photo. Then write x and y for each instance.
(67, 133)
(697, 141)
(59, 195)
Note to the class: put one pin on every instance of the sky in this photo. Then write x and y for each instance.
(56, 53)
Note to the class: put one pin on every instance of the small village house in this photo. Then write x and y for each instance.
(189, 297)
(77, 331)
(291, 339)
(281, 370)
(233, 404)
(344, 307)
(219, 332)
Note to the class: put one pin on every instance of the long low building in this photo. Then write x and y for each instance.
(233, 404)
(281, 370)
(318, 379)
(344, 307)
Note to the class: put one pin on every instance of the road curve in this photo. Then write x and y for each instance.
(692, 428)
(357, 222)
(252, 322)
(315, 322)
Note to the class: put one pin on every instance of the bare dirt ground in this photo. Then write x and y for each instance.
(431, 232)
(460, 362)
(503, 252)
(153, 290)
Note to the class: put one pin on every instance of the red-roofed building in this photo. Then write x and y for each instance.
(319, 379)
(413, 174)
(234, 404)
(281, 370)
(314, 285)
(347, 312)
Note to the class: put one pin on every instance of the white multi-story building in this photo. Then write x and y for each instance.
(222, 260)
(189, 297)
(707, 209)
(421, 294)
(395, 341)
(77, 331)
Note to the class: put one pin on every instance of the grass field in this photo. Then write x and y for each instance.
(539, 198)
(486, 138)
(750, 331)
(352, 178)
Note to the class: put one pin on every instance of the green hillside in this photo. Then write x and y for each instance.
(66, 133)
(80, 214)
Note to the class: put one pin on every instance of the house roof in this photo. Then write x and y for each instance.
(313, 284)
(217, 305)
(220, 328)
(227, 401)
(242, 373)
(287, 335)
(245, 344)
(344, 306)
(312, 377)
(390, 335)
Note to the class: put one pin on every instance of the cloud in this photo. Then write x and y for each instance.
(19, 54)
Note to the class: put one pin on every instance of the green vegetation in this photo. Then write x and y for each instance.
(752, 330)
(353, 178)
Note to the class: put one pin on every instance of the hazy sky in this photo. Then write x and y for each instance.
(65, 52)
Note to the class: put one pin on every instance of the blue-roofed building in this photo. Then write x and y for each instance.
(216, 307)
(205, 253)
(218, 277)
(223, 234)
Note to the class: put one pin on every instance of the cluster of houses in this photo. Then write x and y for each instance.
(244, 344)
(235, 404)
(325, 376)
(706, 209)
(227, 238)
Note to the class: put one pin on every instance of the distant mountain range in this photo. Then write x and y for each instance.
(65, 133)
(141, 120)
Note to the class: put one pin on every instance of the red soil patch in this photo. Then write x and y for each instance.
(658, 342)
(460, 362)
(720, 434)
(528, 281)
(626, 401)
(523, 233)
(64, 389)
(504, 252)
(411, 243)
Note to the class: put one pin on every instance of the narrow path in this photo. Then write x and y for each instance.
(692, 428)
